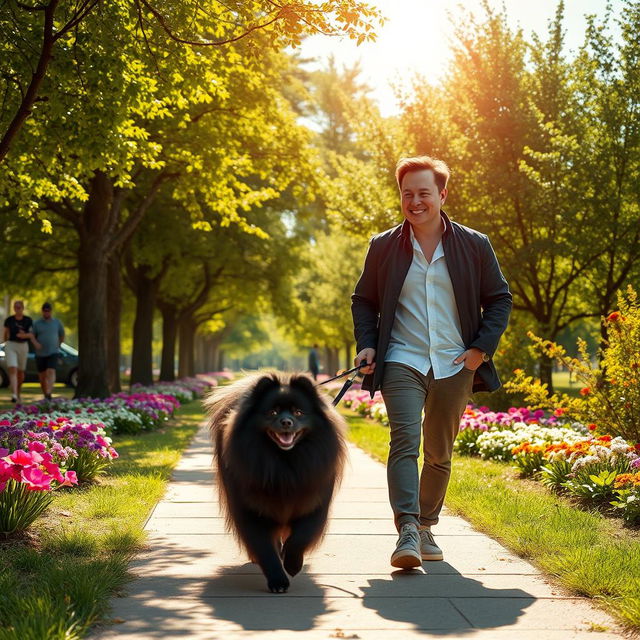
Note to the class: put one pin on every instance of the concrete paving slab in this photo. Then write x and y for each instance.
(359, 553)
(197, 525)
(194, 582)
(401, 584)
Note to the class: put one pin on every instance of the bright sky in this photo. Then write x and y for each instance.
(421, 30)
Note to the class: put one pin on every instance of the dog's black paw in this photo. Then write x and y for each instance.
(279, 584)
(292, 560)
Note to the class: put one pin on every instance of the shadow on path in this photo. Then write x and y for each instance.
(266, 611)
(444, 602)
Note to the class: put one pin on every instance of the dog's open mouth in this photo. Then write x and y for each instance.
(285, 439)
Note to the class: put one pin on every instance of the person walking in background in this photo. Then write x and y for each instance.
(17, 333)
(428, 310)
(48, 336)
(314, 361)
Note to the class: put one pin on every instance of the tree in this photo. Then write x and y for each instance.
(607, 156)
(108, 139)
(512, 115)
(30, 34)
(323, 294)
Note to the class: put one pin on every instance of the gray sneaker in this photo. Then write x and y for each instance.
(407, 553)
(429, 550)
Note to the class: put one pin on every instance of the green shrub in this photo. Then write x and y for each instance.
(610, 396)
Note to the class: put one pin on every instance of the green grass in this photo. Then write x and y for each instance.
(56, 581)
(31, 392)
(583, 551)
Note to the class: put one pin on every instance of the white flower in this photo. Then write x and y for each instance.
(583, 462)
(602, 453)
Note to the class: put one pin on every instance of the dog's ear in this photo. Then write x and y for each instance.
(263, 385)
(304, 384)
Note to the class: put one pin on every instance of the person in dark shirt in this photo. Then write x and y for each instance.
(18, 330)
(314, 361)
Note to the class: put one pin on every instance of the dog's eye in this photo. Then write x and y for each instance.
(272, 412)
(297, 412)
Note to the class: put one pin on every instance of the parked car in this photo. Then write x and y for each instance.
(66, 370)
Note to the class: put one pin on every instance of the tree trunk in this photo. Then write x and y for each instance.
(546, 371)
(142, 353)
(169, 335)
(216, 355)
(348, 363)
(186, 331)
(209, 353)
(199, 353)
(114, 312)
(93, 260)
(214, 340)
(332, 360)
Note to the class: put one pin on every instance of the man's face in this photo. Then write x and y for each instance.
(46, 313)
(18, 308)
(420, 198)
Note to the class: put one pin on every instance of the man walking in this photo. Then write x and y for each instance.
(428, 310)
(17, 333)
(49, 334)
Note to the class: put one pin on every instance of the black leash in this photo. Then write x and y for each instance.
(347, 383)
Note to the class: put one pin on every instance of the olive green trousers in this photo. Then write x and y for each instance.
(406, 392)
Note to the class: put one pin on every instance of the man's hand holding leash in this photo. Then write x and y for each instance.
(367, 355)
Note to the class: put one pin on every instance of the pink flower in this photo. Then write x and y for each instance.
(54, 470)
(6, 470)
(70, 478)
(36, 479)
(25, 458)
(36, 446)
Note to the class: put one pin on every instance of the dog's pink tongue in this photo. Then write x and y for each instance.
(285, 438)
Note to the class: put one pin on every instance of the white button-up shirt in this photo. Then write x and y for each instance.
(426, 331)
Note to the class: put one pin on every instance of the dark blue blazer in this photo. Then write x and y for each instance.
(481, 292)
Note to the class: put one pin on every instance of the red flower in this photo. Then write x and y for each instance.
(592, 426)
(612, 317)
(559, 411)
(585, 391)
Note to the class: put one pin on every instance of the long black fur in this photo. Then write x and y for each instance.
(275, 501)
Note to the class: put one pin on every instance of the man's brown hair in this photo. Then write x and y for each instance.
(440, 170)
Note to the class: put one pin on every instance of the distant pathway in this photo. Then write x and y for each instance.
(194, 583)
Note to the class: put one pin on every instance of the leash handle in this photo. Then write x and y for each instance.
(344, 373)
(345, 388)
(348, 383)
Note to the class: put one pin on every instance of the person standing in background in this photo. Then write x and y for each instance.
(17, 333)
(314, 361)
(48, 336)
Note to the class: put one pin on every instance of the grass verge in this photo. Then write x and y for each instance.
(55, 582)
(585, 552)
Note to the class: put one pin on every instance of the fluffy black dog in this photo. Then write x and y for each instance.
(279, 453)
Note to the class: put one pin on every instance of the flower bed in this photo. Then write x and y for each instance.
(59, 443)
(361, 402)
(566, 456)
(27, 480)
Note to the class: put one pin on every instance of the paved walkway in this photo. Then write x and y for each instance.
(192, 582)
